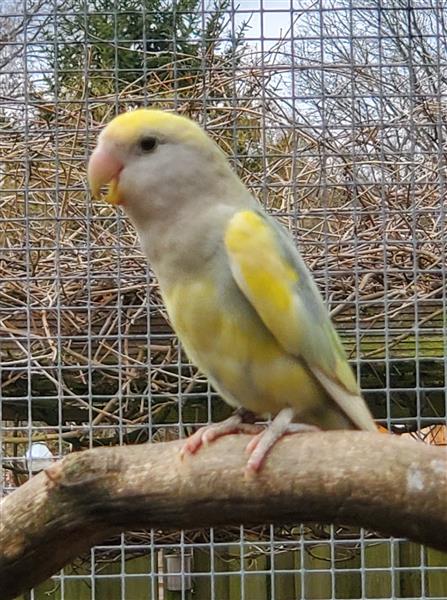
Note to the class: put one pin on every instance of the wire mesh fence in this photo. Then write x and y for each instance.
(334, 114)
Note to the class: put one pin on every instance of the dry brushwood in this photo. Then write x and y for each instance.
(382, 482)
(58, 245)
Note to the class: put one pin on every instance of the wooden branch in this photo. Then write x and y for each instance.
(381, 482)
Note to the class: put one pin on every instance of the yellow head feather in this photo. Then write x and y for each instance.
(131, 125)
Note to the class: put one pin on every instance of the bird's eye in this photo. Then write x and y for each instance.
(147, 144)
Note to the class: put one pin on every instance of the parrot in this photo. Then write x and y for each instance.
(238, 294)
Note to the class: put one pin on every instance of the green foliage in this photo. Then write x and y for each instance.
(117, 44)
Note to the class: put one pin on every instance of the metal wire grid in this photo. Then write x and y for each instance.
(294, 49)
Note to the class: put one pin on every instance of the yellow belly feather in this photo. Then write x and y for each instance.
(238, 354)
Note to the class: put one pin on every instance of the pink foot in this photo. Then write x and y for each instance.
(207, 434)
(263, 442)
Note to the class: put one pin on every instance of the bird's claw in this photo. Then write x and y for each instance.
(260, 445)
(209, 433)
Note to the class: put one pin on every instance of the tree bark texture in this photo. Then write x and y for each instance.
(381, 482)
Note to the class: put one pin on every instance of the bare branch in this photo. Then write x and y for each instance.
(377, 481)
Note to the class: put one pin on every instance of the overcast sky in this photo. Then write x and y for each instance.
(275, 15)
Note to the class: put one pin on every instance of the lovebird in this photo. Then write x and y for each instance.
(237, 291)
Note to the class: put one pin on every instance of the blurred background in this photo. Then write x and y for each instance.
(333, 112)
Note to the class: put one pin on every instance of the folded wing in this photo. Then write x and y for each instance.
(273, 277)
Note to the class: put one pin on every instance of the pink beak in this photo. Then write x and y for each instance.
(104, 168)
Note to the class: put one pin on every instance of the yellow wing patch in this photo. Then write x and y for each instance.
(265, 273)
